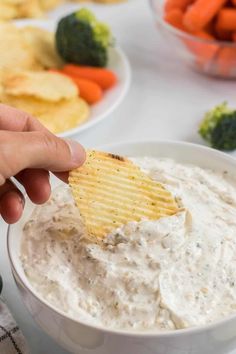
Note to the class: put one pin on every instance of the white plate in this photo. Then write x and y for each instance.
(118, 63)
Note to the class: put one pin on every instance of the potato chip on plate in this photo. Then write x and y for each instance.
(65, 115)
(59, 117)
(42, 43)
(15, 51)
(49, 4)
(44, 85)
(110, 191)
(29, 8)
(7, 11)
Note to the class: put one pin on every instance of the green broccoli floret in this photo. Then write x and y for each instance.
(218, 128)
(81, 39)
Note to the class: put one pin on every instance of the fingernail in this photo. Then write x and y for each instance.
(78, 154)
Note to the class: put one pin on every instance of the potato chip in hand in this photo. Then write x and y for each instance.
(111, 191)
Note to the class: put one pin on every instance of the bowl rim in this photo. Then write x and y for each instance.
(132, 333)
(188, 36)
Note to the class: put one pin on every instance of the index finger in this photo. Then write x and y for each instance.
(12, 119)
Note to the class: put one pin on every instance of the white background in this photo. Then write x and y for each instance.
(166, 101)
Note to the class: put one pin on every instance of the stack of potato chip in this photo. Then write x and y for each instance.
(52, 98)
(25, 84)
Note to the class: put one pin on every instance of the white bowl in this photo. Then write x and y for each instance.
(83, 338)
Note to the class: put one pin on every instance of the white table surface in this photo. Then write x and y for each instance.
(165, 101)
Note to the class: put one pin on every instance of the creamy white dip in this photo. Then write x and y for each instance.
(176, 272)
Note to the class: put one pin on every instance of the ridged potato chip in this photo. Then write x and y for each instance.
(48, 86)
(110, 191)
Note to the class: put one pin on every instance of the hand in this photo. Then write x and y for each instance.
(27, 152)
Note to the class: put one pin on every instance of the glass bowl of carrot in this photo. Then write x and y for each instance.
(203, 33)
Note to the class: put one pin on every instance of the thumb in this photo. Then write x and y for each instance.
(21, 150)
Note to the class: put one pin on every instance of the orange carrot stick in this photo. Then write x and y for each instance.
(203, 52)
(103, 77)
(177, 4)
(90, 91)
(223, 35)
(200, 13)
(204, 35)
(226, 20)
(175, 18)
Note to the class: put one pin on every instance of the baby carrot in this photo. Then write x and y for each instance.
(204, 35)
(223, 35)
(226, 20)
(203, 52)
(103, 77)
(175, 18)
(226, 61)
(201, 12)
(176, 4)
(89, 90)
